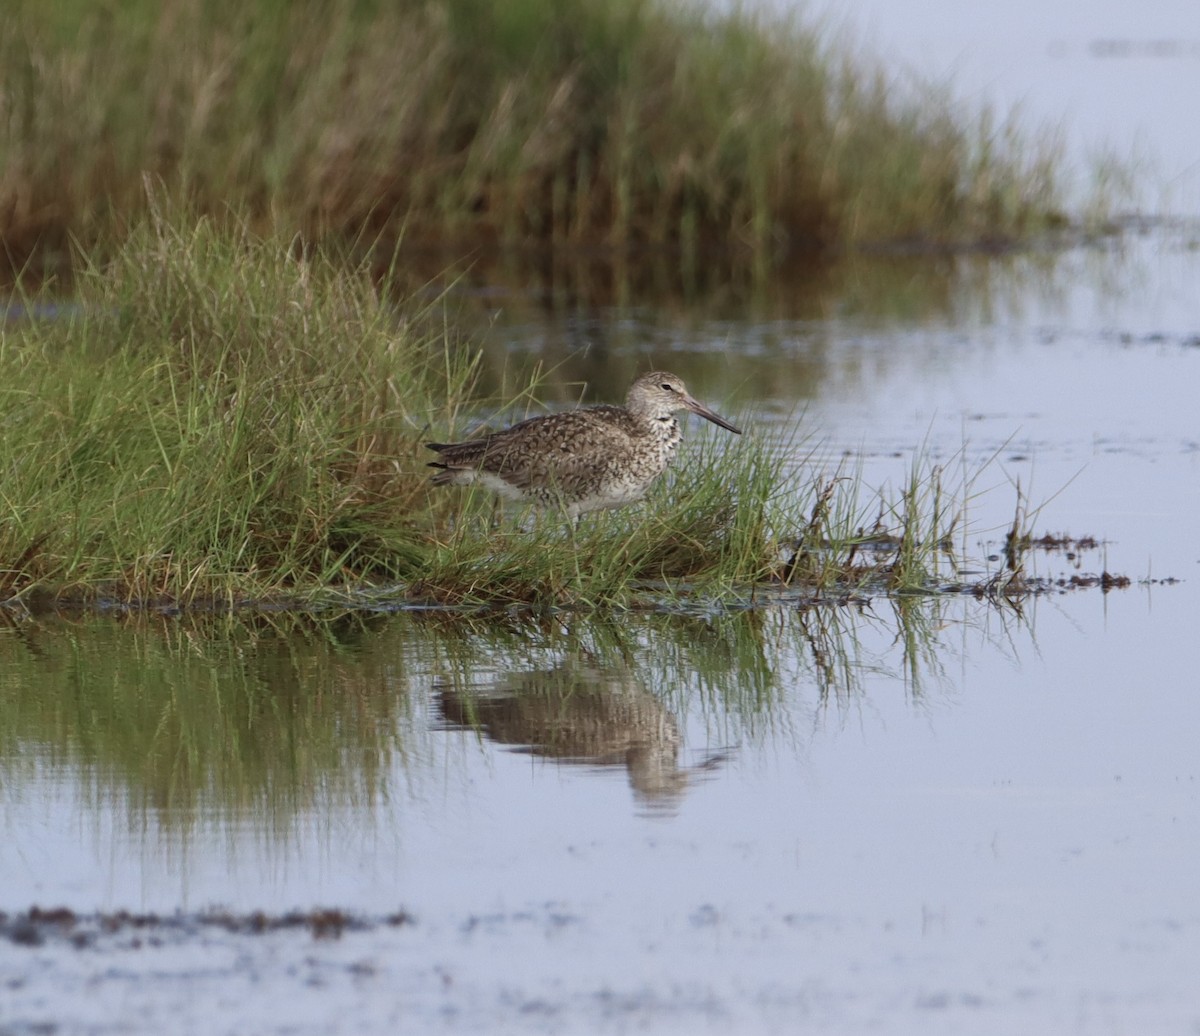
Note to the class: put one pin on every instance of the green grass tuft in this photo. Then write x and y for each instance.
(217, 419)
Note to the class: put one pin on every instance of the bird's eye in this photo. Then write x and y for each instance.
(668, 387)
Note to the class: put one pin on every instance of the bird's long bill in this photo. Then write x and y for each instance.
(703, 411)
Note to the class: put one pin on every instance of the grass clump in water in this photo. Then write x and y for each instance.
(219, 421)
(467, 124)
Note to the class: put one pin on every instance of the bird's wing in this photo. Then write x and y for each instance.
(563, 449)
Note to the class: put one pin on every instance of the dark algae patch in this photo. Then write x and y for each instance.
(38, 926)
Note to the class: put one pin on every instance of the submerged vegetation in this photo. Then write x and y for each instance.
(218, 420)
(465, 125)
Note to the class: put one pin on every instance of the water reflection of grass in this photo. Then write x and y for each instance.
(625, 124)
(815, 322)
(256, 716)
(193, 720)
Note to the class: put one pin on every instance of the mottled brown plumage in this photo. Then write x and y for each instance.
(580, 460)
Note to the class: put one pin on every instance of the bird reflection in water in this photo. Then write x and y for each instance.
(585, 715)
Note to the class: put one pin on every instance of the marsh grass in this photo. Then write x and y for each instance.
(464, 126)
(216, 419)
(221, 421)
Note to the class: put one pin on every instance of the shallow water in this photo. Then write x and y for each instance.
(928, 815)
(1105, 77)
(990, 825)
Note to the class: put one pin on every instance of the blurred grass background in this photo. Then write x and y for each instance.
(465, 125)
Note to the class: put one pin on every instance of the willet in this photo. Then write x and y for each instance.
(580, 460)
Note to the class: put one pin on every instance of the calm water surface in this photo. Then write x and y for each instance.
(1106, 77)
(923, 816)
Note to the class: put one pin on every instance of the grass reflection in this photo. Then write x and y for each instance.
(272, 714)
(267, 719)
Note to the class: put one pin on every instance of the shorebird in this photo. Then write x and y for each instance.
(580, 460)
